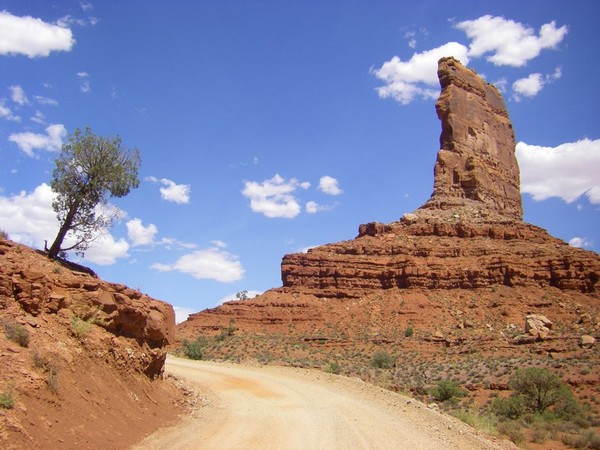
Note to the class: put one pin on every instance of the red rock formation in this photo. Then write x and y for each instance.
(32, 286)
(469, 234)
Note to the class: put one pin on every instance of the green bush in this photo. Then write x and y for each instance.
(382, 360)
(513, 430)
(445, 390)
(17, 333)
(512, 407)
(7, 399)
(541, 389)
(588, 440)
(194, 349)
(333, 367)
(409, 331)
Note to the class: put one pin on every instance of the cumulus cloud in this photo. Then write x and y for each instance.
(274, 198)
(139, 234)
(567, 171)
(18, 95)
(45, 100)
(105, 250)
(533, 84)
(171, 191)
(182, 313)
(580, 242)
(510, 43)
(207, 264)
(29, 219)
(329, 185)
(417, 77)
(313, 207)
(51, 141)
(32, 36)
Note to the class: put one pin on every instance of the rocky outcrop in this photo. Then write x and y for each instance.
(34, 288)
(477, 159)
(469, 234)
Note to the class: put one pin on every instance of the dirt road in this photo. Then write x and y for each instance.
(286, 408)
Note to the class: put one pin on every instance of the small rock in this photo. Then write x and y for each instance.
(588, 341)
(433, 406)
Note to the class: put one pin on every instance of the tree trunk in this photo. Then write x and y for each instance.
(62, 232)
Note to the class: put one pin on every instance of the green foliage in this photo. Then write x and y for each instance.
(333, 367)
(445, 390)
(242, 295)
(89, 169)
(589, 439)
(80, 327)
(7, 398)
(513, 430)
(47, 365)
(382, 360)
(540, 389)
(409, 331)
(17, 333)
(194, 349)
(512, 408)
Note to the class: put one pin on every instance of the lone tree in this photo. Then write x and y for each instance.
(89, 169)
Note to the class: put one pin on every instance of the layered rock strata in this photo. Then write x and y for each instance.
(469, 234)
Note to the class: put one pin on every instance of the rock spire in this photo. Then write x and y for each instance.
(476, 166)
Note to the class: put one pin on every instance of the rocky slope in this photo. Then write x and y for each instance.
(462, 274)
(78, 356)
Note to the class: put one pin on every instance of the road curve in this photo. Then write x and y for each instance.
(286, 408)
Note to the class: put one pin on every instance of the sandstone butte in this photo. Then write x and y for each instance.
(91, 374)
(464, 270)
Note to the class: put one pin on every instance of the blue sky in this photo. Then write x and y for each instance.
(268, 127)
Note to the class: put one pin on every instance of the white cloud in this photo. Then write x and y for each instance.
(84, 82)
(209, 264)
(233, 296)
(28, 218)
(6, 113)
(173, 192)
(580, 242)
(274, 197)
(39, 118)
(105, 250)
(18, 95)
(417, 77)
(51, 141)
(510, 43)
(313, 207)
(533, 84)
(139, 234)
(31, 36)
(182, 313)
(329, 185)
(86, 6)
(46, 101)
(567, 171)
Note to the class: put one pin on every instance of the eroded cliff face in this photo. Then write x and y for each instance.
(469, 234)
(94, 354)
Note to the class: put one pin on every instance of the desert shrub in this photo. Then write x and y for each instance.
(333, 367)
(49, 366)
(540, 389)
(409, 331)
(382, 360)
(588, 440)
(513, 430)
(7, 399)
(479, 421)
(194, 349)
(17, 333)
(79, 326)
(512, 407)
(445, 390)
(3, 235)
